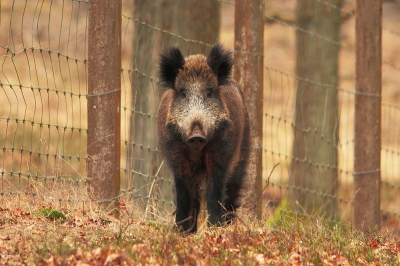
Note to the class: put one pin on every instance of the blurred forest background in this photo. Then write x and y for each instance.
(309, 63)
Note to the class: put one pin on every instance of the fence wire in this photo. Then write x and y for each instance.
(43, 120)
(43, 88)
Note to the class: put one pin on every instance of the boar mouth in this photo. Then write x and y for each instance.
(196, 141)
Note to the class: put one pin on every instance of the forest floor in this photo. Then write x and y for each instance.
(34, 236)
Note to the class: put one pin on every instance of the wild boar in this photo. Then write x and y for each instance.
(203, 132)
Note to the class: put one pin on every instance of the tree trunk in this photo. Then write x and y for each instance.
(314, 169)
(198, 21)
(142, 155)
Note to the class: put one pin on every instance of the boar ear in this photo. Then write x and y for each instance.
(221, 62)
(171, 60)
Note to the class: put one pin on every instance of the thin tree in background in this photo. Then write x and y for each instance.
(198, 21)
(142, 155)
(314, 169)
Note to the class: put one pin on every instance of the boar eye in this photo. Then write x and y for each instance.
(183, 93)
(209, 92)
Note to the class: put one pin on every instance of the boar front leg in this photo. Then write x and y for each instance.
(215, 197)
(187, 206)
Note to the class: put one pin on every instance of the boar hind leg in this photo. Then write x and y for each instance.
(234, 192)
(187, 207)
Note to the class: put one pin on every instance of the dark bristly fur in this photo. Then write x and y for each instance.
(171, 62)
(221, 63)
(203, 130)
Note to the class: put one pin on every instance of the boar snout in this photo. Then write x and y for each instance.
(196, 140)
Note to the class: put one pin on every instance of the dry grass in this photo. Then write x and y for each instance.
(91, 237)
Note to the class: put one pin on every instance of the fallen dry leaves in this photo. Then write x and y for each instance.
(88, 239)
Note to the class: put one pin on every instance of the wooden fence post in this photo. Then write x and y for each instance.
(104, 101)
(249, 45)
(367, 146)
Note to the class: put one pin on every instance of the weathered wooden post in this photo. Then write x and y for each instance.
(367, 146)
(103, 102)
(249, 45)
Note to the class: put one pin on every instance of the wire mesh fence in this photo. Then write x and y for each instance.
(43, 116)
(43, 88)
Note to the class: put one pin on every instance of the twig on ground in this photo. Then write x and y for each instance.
(262, 191)
(234, 214)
